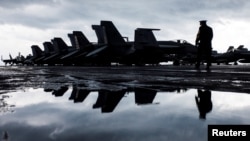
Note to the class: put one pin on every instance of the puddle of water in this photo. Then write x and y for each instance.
(77, 114)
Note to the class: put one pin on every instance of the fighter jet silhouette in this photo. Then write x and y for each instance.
(18, 60)
(233, 55)
(111, 47)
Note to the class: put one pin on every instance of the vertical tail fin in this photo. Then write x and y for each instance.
(36, 51)
(144, 38)
(112, 34)
(10, 57)
(48, 47)
(80, 39)
(230, 49)
(72, 40)
(100, 33)
(59, 45)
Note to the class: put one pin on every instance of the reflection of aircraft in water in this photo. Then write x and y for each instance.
(203, 102)
(78, 94)
(60, 91)
(144, 96)
(108, 100)
(4, 106)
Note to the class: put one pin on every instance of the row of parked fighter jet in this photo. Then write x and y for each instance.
(112, 47)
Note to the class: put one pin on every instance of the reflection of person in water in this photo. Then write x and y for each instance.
(203, 102)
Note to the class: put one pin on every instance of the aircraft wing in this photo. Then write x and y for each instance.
(96, 51)
(70, 54)
(169, 46)
(52, 56)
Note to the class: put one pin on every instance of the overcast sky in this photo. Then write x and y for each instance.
(31, 22)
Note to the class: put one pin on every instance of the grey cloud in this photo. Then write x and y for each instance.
(22, 3)
(88, 11)
(174, 16)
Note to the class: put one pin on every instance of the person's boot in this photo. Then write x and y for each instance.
(208, 67)
(197, 66)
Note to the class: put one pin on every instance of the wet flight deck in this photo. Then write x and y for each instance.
(136, 103)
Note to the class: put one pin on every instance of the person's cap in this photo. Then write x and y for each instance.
(203, 21)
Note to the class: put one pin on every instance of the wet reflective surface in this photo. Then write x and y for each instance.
(121, 103)
(119, 115)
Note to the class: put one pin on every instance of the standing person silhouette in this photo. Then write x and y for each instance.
(204, 43)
